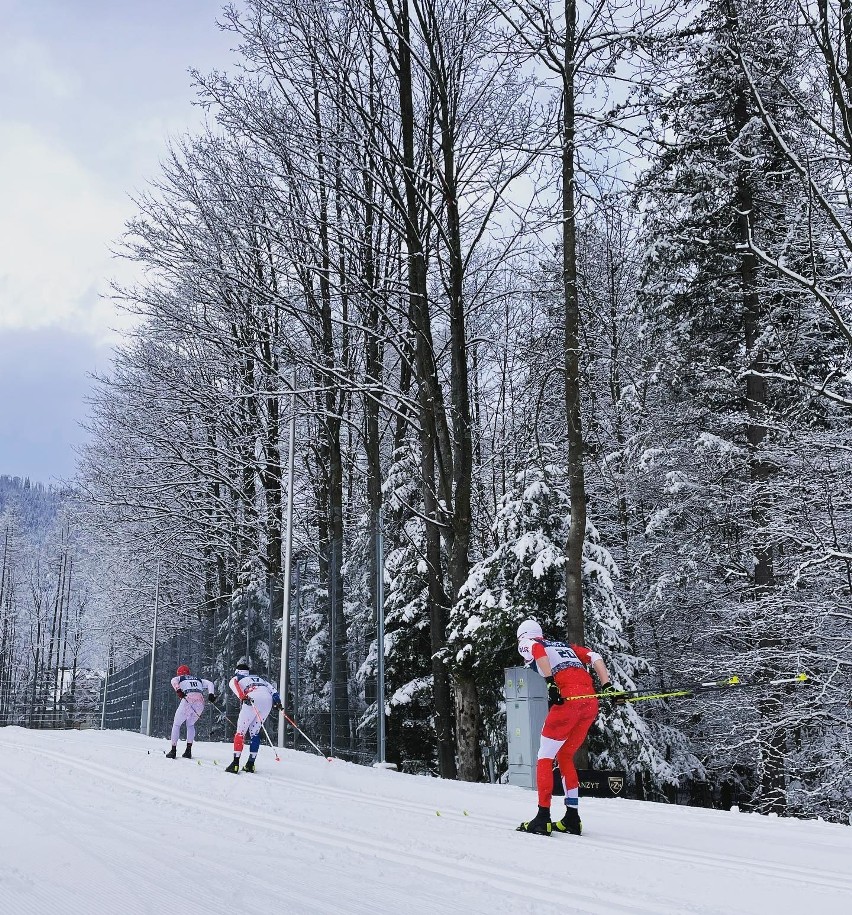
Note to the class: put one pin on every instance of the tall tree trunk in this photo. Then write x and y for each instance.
(773, 737)
(373, 370)
(468, 711)
(761, 471)
(436, 453)
(438, 604)
(576, 477)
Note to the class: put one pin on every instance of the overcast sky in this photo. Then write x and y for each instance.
(90, 92)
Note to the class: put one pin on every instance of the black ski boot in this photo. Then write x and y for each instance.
(187, 753)
(571, 822)
(249, 766)
(540, 824)
(172, 754)
(235, 766)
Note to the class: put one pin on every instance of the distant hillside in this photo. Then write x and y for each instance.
(34, 504)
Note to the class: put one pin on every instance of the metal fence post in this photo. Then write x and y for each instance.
(106, 684)
(332, 604)
(380, 639)
(296, 611)
(288, 559)
(270, 594)
(153, 655)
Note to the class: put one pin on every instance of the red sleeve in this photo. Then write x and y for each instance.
(583, 654)
(538, 650)
(236, 688)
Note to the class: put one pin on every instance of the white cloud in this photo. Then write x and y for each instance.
(28, 65)
(57, 222)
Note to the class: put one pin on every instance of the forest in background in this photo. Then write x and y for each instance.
(48, 635)
(560, 292)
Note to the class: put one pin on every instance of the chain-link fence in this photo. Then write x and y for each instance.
(328, 694)
(127, 689)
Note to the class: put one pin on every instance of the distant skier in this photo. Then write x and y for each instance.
(564, 667)
(192, 692)
(258, 698)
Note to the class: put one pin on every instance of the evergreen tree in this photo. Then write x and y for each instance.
(523, 577)
(723, 526)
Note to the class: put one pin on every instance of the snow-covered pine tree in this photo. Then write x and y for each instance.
(248, 619)
(523, 577)
(725, 494)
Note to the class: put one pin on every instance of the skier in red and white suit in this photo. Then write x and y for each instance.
(564, 667)
(258, 697)
(193, 692)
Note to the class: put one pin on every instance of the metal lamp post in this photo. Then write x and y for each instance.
(288, 558)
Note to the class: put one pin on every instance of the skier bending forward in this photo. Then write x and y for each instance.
(567, 723)
(192, 692)
(258, 697)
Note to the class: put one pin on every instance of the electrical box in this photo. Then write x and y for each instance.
(526, 708)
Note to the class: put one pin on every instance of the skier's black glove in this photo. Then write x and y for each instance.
(277, 707)
(554, 696)
(211, 698)
(180, 693)
(607, 689)
(247, 700)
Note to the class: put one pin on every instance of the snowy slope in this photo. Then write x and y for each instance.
(102, 823)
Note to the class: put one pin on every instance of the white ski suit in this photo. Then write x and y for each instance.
(262, 695)
(191, 707)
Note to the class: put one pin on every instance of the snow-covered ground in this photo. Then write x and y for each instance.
(102, 823)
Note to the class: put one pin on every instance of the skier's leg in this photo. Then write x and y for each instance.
(196, 709)
(262, 707)
(548, 749)
(573, 742)
(254, 743)
(567, 769)
(570, 780)
(557, 727)
(552, 737)
(585, 715)
(179, 719)
(243, 724)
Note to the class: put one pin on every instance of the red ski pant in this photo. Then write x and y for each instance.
(564, 730)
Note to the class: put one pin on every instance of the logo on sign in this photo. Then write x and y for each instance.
(615, 785)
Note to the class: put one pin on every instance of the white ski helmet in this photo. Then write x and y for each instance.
(529, 629)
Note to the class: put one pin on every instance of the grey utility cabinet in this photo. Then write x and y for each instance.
(526, 709)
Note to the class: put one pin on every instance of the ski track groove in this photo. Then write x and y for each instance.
(629, 847)
(746, 866)
(600, 903)
(56, 897)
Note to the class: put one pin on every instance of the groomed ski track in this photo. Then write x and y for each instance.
(101, 823)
